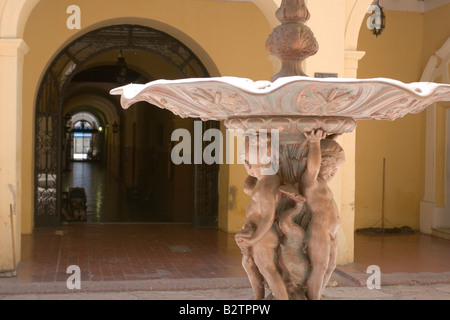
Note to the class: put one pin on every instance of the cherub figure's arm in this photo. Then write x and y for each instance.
(314, 159)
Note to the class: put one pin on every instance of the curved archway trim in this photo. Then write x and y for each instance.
(48, 119)
(14, 17)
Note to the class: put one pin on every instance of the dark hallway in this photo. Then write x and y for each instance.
(107, 199)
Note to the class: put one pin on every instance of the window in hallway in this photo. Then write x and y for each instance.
(85, 142)
(82, 143)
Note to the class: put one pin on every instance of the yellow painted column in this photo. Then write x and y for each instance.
(232, 199)
(12, 52)
(329, 27)
(347, 183)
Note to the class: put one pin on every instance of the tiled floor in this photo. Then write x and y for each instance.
(116, 252)
(146, 251)
(394, 253)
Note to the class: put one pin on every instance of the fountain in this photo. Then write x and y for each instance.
(289, 237)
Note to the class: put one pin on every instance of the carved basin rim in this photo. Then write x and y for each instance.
(223, 98)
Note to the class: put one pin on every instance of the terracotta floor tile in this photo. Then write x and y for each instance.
(205, 258)
(136, 251)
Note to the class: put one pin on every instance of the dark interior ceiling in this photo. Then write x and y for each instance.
(106, 74)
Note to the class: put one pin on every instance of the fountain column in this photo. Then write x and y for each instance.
(292, 42)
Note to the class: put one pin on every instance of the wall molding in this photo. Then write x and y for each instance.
(430, 215)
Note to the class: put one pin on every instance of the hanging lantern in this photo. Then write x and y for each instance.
(68, 122)
(115, 127)
(121, 69)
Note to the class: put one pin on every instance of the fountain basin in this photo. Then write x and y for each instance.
(227, 98)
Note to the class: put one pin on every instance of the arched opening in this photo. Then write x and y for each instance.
(120, 157)
(435, 206)
(83, 132)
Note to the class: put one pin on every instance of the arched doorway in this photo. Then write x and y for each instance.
(83, 137)
(89, 67)
(435, 212)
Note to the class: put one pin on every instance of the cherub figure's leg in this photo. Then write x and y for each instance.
(319, 254)
(255, 277)
(331, 263)
(265, 255)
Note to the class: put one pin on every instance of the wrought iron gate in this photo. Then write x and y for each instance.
(206, 188)
(49, 124)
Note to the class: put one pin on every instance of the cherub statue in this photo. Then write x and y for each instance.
(258, 239)
(324, 158)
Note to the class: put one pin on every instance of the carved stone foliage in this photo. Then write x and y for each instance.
(293, 127)
(230, 98)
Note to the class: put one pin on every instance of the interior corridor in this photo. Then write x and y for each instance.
(107, 199)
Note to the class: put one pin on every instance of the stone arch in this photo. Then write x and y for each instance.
(61, 69)
(91, 117)
(15, 13)
(432, 216)
(160, 26)
(104, 106)
(268, 8)
(357, 12)
(14, 17)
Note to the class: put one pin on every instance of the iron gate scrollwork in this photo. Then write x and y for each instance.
(206, 188)
(47, 178)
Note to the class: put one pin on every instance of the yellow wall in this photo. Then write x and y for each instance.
(401, 53)
(229, 41)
